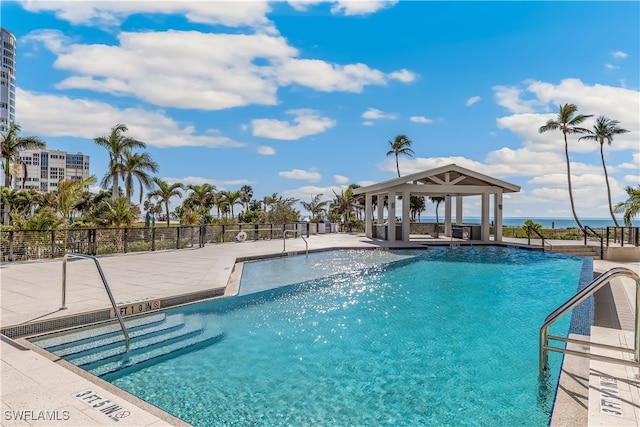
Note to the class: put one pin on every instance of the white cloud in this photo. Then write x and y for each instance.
(218, 71)
(308, 122)
(472, 100)
(375, 114)
(54, 116)
(326, 77)
(311, 175)
(346, 7)
(404, 76)
(265, 150)
(615, 102)
(610, 67)
(509, 97)
(361, 7)
(367, 123)
(340, 179)
(102, 13)
(619, 54)
(420, 119)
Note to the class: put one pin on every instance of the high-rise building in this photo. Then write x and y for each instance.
(7, 79)
(46, 168)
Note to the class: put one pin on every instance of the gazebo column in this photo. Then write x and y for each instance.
(447, 215)
(485, 217)
(380, 209)
(368, 214)
(497, 216)
(391, 223)
(406, 220)
(459, 210)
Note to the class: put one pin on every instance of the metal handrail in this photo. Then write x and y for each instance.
(529, 230)
(104, 282)
(284, 239)
(572, 302)
(586, 230)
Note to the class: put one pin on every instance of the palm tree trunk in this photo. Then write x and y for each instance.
(166, 207)
(573, 209)
(397, 166)
(606, 178)
(114, 189)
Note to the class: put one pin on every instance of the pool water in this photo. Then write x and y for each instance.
(445, 336)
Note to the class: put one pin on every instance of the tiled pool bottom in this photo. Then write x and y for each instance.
(440, 337)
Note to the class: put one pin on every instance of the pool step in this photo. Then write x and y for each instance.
(54, 342)
(116, 338)
(102, 349)
(147, 352)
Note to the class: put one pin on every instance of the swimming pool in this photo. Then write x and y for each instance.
(434, 337)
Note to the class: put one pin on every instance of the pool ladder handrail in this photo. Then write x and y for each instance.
(104, 282)
(572, 302)
(284, 240)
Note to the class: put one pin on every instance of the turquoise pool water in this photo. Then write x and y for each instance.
(435, 337)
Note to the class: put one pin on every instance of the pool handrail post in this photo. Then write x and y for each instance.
(572, 302)
(284, 241)
(104, 282)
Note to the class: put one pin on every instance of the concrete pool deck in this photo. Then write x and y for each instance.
(40, 390)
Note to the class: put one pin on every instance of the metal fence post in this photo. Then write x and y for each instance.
(177, 237)
(222, 233)
(53, 243)
(126, 238)
(153, 239)
(11, 245)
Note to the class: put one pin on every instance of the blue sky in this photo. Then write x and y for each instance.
(301, 98)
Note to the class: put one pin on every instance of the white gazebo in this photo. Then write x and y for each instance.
(449, 182)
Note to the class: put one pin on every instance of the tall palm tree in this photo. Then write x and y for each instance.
(164, 193)
(631, 207)
(400, 145)
(11, 145)
(604, 130)
(117, 145)
(567, 122)
(136, 165)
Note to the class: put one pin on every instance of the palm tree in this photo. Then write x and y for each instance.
(437, 200)
(68, 193)
(567, 122)
(400, 145)
(417, 206)
(247, 194)
(117, 145)
(11, 145)
(135, 165)
(201, 198)
(316, 207)
(164, 193)
(233, 198)
(631, 207)
(604, 130)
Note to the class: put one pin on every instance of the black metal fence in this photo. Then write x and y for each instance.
(24, 245)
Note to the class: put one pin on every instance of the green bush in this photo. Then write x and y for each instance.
(138, 246)
(107, 249)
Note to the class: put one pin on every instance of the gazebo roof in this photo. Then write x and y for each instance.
(450, 179)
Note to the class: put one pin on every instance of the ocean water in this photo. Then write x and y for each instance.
(546, 222)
